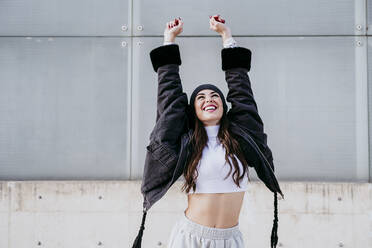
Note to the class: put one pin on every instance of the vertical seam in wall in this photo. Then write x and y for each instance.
(368, 90)
(130, 90)
(366, 16)
(368, 114)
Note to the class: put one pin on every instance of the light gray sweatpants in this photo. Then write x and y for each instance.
(189, 234)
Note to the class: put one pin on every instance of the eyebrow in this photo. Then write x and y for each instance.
(204, 94)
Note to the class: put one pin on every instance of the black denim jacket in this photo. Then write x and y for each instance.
(169, 146)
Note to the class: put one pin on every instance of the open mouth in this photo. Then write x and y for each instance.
(210, 108)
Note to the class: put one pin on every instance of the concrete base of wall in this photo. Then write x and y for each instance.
(82, 214)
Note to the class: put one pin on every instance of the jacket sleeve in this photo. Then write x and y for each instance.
(171, 100)
(236, 62)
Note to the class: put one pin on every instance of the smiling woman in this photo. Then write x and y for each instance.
(210, 146)
(208, 107)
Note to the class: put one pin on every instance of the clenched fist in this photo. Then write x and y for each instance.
(216, 23)
(172, 29)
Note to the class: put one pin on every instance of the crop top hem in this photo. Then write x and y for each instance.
(218, 187)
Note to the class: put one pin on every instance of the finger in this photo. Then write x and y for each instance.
(178, 20)
(211, 24)
(216, 18)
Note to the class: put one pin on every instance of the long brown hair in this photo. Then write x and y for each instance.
(199, 140)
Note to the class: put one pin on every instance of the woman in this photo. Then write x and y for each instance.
(212, 216)
(210, 146)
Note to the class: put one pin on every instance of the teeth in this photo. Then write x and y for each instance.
(210, 107)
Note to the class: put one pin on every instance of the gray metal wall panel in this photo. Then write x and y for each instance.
(65, 18)
(49, 131)
(64, 108)
(253, 17)
(305, 89)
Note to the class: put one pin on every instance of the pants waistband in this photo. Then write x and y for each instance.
(208, 232)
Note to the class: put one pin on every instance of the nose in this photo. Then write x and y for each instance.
(209, 99)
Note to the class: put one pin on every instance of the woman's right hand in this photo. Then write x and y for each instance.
(172, 29)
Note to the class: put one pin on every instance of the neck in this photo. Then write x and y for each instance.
(212, 130)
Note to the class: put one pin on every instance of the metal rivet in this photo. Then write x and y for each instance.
(139, 43)
(38, 243)
(359, 27)
(159, 243)
(99, 243)
(28, 38)
(359, 43)
(124, 28)
(123, 43)
(40, 197)
(100, 197)
(339, 198)
(140, 27)
(340, 244)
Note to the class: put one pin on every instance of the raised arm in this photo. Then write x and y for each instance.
(162, 151)
(171, 100)
(236, 62)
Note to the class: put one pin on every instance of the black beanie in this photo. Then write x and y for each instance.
(191, 108)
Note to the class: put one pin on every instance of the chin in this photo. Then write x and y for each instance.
(217, 120)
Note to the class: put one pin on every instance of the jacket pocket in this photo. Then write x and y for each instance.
(162, 153)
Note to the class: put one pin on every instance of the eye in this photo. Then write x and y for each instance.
(216, 95)
(200, 97)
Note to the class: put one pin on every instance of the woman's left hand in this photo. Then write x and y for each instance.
(216, 23)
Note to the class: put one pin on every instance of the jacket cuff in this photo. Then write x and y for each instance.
(236, 57)
(166, 54)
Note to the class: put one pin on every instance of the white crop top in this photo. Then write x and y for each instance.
(213, 168)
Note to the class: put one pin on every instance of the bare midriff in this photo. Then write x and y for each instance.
(218, 210)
